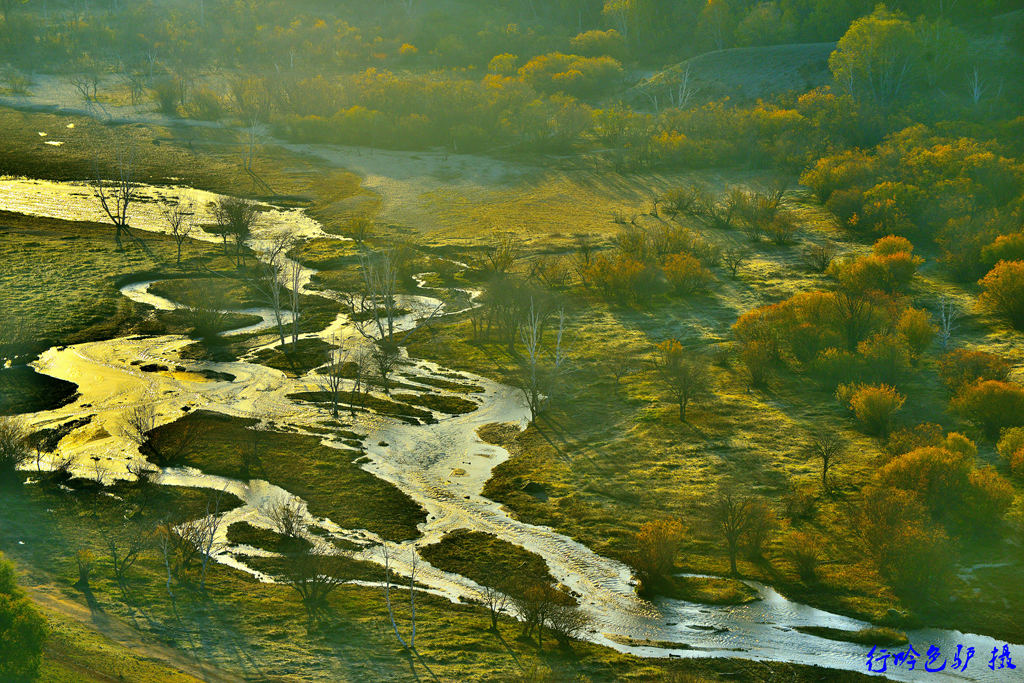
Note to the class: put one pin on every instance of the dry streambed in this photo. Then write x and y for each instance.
(441, 463)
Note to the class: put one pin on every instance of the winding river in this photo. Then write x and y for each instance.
(442, 466)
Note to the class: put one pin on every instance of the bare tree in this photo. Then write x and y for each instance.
(202, 535)
(497, 601)
(734, 258)
(384, 362)
(826, 446)
(501, 256)
(686, 378)
(270, 280)
(539, 378)
(732, 514)
(125, 544)
(294, 272)
(332, 375)
(137, 422)
(314, 575)
(375, 308)
(14, 446)
(179, 221)
(361, 364)
(411, 644)
(288, 517)
(235, 218)
(117, 196)
(949, 315)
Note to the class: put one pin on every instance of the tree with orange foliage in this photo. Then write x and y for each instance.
(1004, 291)
(656, 546)
(992, 405)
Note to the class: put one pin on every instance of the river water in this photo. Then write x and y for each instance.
(442, 466)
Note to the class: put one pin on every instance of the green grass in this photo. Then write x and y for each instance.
(326, 478)
(711, 590)
(485, 558)
(867, 636)
(306, 355)
(260, 630)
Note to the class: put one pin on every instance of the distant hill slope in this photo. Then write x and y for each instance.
(745, 73)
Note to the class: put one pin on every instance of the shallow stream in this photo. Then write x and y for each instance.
(442, 466)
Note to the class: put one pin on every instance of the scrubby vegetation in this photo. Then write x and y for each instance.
(771, 336)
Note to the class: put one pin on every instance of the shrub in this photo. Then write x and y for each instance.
(950, 486)
(1011, 448)
(1004, 248)
(600, 44)
(22, 630)
(876, 272)
(206, 105)
(781, 229)
(757, 358)
(571, 74)
(912, 553)
(685, 274)
(504, 64)
(884, 357)
(992, 405)
(622, 278)
(961, 367)
(804, 551)
(874, 406)
(906, 439)
(656, 545)
(818, 257)
(167, 94)
(892, 244)
(916, 330)
(837, 366)
(1004, 291)
(14, 446)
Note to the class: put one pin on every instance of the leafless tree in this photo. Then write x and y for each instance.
(270, 281)
(539, 378)
(496, 600)
(384, 362)
(142, 471)
(117, 196)
(288, 517)
(137, 422)
(314, 574)
(294, 272)
(828, 447)
(179, 222)
(732, 514)
(125, 543)
(202, 534)
(375, 308)
(332, 375)
(734, 258)
(361, 364)
(14, 446)
(235, 218)
(501, 256)
(411, 643)
(685, 377)
(99, 470)
(949, 315)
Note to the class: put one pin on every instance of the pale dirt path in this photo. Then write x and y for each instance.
(113, 628)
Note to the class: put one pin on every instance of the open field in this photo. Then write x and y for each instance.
(641, 341)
